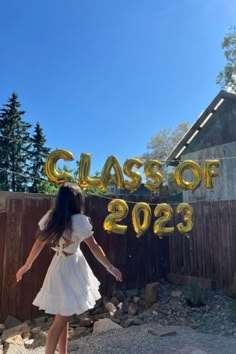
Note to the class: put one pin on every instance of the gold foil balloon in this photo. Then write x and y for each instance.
(136, 178)
(119, 210)
(150, 171)
(51, 171)
(196, 170)
(188, 219)
(85, 181)
(137, 210)
(164, 213)
(106, 176)
(209, 172)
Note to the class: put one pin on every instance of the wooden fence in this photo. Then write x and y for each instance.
(208, 254)
(141, 260)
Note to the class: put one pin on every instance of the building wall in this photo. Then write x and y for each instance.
(225, 183)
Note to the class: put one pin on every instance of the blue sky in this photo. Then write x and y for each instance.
(104, 76)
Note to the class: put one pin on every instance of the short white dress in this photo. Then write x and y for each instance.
(70, 286)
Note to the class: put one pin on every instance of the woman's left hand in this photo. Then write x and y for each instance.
(116, 273)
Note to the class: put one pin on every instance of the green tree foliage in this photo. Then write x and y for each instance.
(163, 143)
(159, 147)
(15, 146)
(38, 158)
(22, 157)
(227, 77)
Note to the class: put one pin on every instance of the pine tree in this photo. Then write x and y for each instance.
(14, 146)
(38, 157)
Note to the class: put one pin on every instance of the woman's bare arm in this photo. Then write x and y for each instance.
(35, 251)
(99, 254)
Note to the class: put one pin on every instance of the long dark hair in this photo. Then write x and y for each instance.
(69, 201)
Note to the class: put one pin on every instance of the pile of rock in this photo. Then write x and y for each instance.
(28, 334)
(121, 310)
(163, 304)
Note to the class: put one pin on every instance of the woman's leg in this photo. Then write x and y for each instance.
(54, 333)
(62, 342)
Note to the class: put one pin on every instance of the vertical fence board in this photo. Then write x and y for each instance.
(11, 257)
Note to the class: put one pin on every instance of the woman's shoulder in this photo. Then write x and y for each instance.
(80, 218)
(80, 221)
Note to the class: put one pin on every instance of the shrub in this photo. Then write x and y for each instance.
(194, 294)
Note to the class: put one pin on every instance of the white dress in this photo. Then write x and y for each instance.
(70, 286)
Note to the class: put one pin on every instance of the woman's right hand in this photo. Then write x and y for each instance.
(21, 272)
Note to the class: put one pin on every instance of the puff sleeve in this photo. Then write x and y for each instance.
(43, 222)
(81, 227)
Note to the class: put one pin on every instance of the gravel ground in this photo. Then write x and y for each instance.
(209, 329)
(138, 340)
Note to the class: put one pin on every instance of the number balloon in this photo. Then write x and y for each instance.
(137, 210)
(164, 212)
(119, 210)
(188, 216)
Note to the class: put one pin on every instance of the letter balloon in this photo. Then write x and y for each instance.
(135, 176)
(196, 170)
(51, 171)
(85, 181)
(209, 172)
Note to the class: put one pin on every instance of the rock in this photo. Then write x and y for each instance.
(231, 290)
(120, 305)
(18, 330)
(132, 322)
(86, 322)
(101, 316)
(136, 299)
(35, 331)
(116, 320)
(110, 307)
(2, 327)
(162, 331)
(14, 349)
(119, 295)
(40, 340)
(75, 333)
(40, 321)
(176, 293)
(28, 343)
(118, 314)
(26, 335)
(17, 340)
(12, 322)
(132, 309)
(151, 293)
(132, 292)
(105, 325)
(125, 306)
(115, 301)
